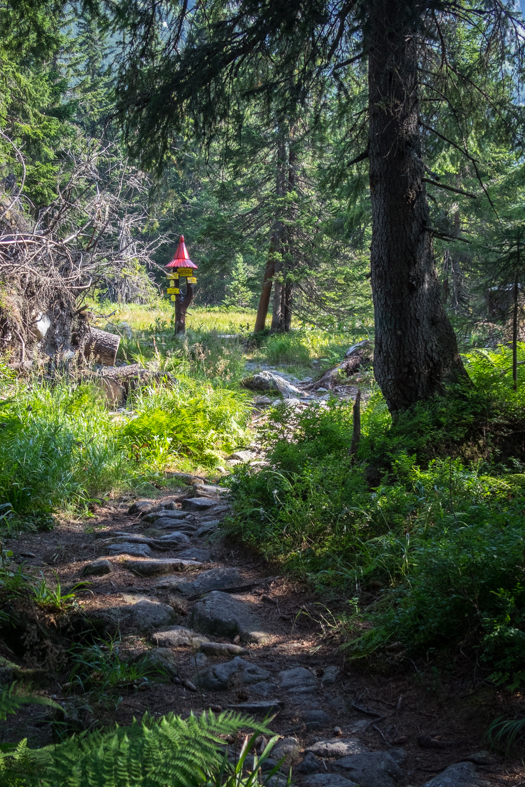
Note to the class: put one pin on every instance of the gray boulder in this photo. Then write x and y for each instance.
(141, 507)
(178, 636)
(128, 548)
(137, 613)
(175, 539)
(227, 616)
(373, 769)
(299, 680)
(287, 749)
(197, 504)
(97, 568)
(155, 566)
(310, 764)
(462, 774)
(215, 578)
(337, 747)
(238, 671)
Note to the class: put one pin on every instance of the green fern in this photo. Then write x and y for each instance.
(11, 701)
(172, 752)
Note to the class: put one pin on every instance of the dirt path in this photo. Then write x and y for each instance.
(277, 652)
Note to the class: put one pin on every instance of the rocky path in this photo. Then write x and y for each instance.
(168, 585)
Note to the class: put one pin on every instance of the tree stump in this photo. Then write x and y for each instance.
(101, 346)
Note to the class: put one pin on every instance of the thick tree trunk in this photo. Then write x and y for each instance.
(264, 300)
(416, 350)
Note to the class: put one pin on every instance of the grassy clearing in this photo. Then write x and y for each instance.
(428, 520)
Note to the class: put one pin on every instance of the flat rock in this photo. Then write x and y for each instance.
(328, 780)
(337, 747)
(207, 490)
(166, 522)
(155, 516)
(243, 456)
(263, 689)
(138, 613)
(238, 671)
(176, 538)
(208, 528)
(264, 707)
(299, 680)
(214, 579)
(372, 769)
(128, 548)
(155, 566)
(223, 649)
(195, 553)
(178, 636)
(197, 504)
(462, 774)
(97, 568)
(227, 616)
(310, 764)
(315, 719)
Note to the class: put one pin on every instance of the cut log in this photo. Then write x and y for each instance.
(101, 346)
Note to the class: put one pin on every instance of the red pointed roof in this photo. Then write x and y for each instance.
(181, 258)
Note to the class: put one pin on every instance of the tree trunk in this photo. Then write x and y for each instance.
(264, 300)
(515, 307)
(278, 235)
(415, 346)
(101, 347)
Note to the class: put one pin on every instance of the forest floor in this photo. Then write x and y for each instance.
(297, 669)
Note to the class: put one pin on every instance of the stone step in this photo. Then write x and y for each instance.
(155, 566)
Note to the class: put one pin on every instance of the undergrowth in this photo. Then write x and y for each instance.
(430, 511)
(60, 444)
(170, 752)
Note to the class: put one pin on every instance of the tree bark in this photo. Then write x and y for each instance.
(415, 346)
(515, 307)
(101, 347)
(264, 300)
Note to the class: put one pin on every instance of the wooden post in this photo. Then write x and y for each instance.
(181, 306)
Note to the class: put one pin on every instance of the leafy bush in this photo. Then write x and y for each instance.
(442, 534)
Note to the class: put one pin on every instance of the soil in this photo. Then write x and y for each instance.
(438, 717)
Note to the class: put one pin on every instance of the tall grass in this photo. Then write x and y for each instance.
(61, 446)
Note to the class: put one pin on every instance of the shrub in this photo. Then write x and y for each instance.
(442, 534)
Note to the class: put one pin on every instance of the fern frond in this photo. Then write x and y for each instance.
(172, 752)
(10, 701)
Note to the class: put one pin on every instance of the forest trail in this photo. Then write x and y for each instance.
(233, 636)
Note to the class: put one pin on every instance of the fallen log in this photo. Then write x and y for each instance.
(355, 357)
